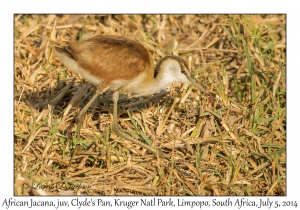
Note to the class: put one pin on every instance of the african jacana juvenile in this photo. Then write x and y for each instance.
(115, 63)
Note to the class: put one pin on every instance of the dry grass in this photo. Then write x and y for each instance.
(231, 142)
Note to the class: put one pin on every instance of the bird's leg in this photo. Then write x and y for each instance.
(79, 117)
(115, 98)
(76, 151)
(83, 111)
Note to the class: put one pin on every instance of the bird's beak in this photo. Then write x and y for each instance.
(196, 83)
(193, 80)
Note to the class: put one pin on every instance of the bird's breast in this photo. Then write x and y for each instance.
(135, 85)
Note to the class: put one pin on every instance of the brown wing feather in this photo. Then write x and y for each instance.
(106, 56)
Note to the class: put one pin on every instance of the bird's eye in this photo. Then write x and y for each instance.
(183, 67)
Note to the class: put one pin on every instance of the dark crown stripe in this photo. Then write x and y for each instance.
(181, 62)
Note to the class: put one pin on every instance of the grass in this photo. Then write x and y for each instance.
(230, 142)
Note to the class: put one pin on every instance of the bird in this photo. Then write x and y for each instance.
(118, 63)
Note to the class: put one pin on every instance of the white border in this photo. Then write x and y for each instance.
(8, 8)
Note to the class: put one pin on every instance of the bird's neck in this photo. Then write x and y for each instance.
(167, 71)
